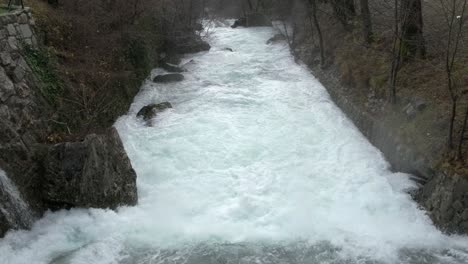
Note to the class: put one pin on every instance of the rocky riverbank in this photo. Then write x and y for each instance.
(39, 176)
(54, 155)
(409, 134)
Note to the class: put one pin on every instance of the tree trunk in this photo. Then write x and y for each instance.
(344, 11)
(396, 55)
(313, 4)
(366, 21)
(251, 8)
(462, 135)
(412, 29)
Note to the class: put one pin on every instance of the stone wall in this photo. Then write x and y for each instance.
(23, 113)
(26, 120)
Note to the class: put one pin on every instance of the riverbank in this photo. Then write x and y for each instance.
(412, 133)
(66, 77)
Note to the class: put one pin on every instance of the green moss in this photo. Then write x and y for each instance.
(44, 68)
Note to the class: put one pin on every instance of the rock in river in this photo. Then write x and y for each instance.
(150, 111)
(172, 68)
(167, 78)
(93, 173)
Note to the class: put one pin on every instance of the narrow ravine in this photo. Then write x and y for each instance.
(254, 164)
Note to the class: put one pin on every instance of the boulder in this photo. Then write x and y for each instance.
(276, 38)
(445, 197)
(94, 173)
(414, 106)
(253, 20)
(186, 43)
(172, 68)
(171, 58)
(198, 26)
(151, 111)
(168, 78)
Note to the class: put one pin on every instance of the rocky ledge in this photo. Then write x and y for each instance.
(445, 198)
(93, 173)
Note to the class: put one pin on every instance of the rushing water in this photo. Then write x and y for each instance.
(254, 164)
(12, 206)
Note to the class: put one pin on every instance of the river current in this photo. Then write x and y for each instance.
(254, 164)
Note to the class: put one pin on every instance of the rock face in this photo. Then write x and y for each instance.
(276, 38)
(94, 173)
(171, 67)
(445, 197)
(186, 43)
(168, 78)
(23, 123)
(151, 111)
(253, 20)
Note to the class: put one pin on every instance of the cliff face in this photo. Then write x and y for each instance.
(41, 176)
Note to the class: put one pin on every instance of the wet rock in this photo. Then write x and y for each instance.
(171, 58)
(414, 106)
(198, 26)
(14, 212)
(168, 78)
(187, 43)
(228, 49)
(94, 173)
(445, 197)
(252, 20)
(276, 38)
(172, 68)
(151, 111)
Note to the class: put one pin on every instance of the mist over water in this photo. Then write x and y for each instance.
(254, 164)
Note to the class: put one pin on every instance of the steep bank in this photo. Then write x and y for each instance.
(57, 147)
(39, 175)
(411, 133)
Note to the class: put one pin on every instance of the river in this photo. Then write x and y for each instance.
(254, 164)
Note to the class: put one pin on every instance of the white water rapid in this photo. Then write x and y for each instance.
(254, 164)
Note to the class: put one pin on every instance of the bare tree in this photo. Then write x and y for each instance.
(344, 11)
(455, 22)
(366, 21)
(313, 14)
(412, 29)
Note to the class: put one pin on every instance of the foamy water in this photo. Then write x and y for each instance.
(254, 164)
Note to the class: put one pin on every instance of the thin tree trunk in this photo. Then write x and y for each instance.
(366, 21)
(250, 5)
(462, 135)
(412, 29)
(450, 58)
(313, 4)
(344, 11)
(396, 53)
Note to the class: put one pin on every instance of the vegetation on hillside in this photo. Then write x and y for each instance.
(101, 52)
(390, 52)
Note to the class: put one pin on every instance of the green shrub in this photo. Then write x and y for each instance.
(42, 64)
